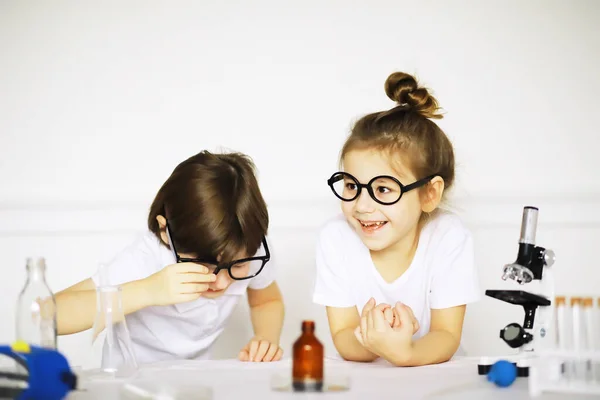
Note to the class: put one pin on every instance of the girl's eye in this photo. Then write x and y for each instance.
(351, 186)
(383, 189)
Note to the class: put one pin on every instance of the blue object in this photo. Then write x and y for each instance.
(503, 373)
(48, 377)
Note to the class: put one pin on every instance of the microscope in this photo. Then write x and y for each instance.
(532, 263)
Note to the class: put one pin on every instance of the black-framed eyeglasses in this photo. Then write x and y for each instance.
(384, 189)
(235, 268)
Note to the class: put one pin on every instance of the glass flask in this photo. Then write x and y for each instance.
(110, 332)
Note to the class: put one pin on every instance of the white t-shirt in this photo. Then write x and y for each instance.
(180, 331)
(442, 273)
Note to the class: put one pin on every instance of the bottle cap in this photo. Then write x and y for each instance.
(575, 301)
(588, 302)
(560, 300)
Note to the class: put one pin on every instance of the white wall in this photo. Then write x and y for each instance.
(99, 101)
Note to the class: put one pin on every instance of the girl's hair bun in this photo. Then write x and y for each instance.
(404, 90)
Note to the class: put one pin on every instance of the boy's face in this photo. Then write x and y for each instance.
(380, 226)
(224, 280)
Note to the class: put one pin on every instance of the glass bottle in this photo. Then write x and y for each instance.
(307, 371)
(36, 308)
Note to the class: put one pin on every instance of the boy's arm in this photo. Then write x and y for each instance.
(266, 312)
(76, 305)
(342, 323)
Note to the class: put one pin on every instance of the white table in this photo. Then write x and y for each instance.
(231, 379)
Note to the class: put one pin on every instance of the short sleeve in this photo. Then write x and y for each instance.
(136, 261)
(455, 280)
(331, 285)
(268, 273)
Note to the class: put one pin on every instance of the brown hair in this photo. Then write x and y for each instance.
(213, 205)
(407, 128)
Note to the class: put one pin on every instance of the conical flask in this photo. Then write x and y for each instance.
(110, 330)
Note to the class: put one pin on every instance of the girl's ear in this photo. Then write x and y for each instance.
(431, 195)
(162, 224)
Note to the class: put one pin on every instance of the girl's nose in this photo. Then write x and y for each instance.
(364, 204)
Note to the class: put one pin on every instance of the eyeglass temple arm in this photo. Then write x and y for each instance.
(418, 183)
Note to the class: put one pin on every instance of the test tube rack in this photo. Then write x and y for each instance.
(572, 364)
(547, 373)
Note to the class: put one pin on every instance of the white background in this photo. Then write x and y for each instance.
(99, 101)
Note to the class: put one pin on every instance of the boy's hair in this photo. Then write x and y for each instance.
(407, 129)
(213, 206)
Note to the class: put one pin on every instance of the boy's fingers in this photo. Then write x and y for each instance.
(263, 348)
(196, 278)
(189, 288)
(271, 353)
(278, 354)
(243, 356)
(253, 350)
(187, 268)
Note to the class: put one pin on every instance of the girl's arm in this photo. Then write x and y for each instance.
(342, 323)
(442, 341)
(266, 312)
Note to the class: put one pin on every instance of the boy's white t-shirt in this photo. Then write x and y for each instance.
(180, 331)
(442, 273)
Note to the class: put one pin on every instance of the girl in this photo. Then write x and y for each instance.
(394, 272)
(205, 247)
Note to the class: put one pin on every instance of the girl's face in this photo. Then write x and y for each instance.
(380, 226)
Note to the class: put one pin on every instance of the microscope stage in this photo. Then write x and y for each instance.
(518, 297)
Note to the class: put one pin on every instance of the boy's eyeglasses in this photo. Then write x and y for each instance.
(236, 269)
(384, 189)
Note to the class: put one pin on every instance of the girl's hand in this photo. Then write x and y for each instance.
(390, 314)
(178, 283)
(390, 340)
(413, 320)
(260, 350)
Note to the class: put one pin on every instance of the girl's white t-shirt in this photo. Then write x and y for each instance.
(180, 331)
(442, 273)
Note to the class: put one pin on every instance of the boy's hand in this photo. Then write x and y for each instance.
(260, 350)
(178, 283)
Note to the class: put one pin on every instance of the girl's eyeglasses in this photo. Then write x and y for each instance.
(384, 189)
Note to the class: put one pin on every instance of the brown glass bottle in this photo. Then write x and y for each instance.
(307, 373)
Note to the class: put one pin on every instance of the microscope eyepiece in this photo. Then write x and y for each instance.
(529, 225)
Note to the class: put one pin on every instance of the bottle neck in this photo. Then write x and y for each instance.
(36, 271)
(308, 328)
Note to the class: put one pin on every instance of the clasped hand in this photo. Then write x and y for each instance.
(387, 331)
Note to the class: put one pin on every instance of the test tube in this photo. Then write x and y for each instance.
(579, 366)
(560, 329)
(588, 322)
(597, 341)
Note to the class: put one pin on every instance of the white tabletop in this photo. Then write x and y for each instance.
(232, 379)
